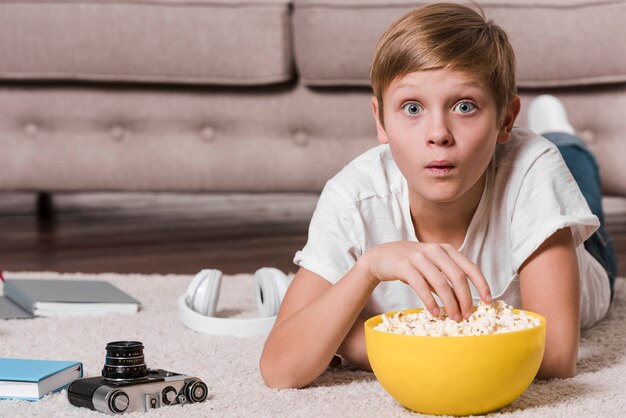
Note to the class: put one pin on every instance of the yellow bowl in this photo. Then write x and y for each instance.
(466, 375)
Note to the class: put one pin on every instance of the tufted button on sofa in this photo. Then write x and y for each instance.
(254, 95)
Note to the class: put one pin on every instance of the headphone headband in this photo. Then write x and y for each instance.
(238, 327)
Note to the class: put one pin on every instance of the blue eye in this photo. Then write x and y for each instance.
(465, 107)
(412, 108)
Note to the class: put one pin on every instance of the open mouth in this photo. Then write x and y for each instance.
(440, 168)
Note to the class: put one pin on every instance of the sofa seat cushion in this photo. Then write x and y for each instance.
(572, 42)
(242, 42)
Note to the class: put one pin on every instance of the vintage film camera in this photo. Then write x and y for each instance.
(127, 385)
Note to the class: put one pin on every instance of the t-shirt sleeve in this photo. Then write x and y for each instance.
(332, 248)
(549, 199)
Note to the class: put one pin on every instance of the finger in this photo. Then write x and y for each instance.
(456, 277)
(460, 287)
(473, 273)
(437, 280)
(417, 282)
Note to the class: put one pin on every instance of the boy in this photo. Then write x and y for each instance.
(453, 195)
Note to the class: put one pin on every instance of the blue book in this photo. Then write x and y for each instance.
(33, 379)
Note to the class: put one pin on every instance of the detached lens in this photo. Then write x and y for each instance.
(124, 360)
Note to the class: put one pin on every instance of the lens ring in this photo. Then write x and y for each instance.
(124, 349)
(124, 361)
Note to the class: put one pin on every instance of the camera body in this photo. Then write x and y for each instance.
(158, 389)
(126, 385)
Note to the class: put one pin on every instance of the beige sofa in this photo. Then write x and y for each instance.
(254, 95)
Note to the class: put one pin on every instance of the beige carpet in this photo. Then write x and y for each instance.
(229, 365)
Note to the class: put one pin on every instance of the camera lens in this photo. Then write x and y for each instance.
(124, 360)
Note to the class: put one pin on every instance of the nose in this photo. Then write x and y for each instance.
(438, 132)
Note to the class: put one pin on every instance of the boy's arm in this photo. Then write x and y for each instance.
(549, 284)
(313, 321)
(353, 346)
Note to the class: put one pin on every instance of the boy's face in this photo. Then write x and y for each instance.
(442, 128)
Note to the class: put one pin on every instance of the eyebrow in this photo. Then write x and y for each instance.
(474, 84)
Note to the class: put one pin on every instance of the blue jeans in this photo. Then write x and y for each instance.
(584, 168)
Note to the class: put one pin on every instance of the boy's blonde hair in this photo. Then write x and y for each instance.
(446, 35)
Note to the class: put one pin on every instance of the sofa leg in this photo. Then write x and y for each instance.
(45, 211)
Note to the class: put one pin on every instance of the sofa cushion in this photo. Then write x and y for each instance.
(243, 42)
(557, 42)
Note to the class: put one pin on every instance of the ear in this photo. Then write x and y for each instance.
(508, 120)
(380, 130)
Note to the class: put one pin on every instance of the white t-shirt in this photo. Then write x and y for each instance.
(529, 194)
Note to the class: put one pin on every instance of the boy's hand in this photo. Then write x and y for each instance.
(428, 267)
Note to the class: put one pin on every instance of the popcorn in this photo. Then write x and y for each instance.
(495, 318)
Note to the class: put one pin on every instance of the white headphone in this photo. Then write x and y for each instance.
(196, 308)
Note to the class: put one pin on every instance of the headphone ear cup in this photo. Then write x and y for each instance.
(271, 285)
(282, 284)
(193, 288)
(205, 290)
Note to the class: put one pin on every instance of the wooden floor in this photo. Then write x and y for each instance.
(171, 233)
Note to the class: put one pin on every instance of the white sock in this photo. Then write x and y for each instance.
(546, 114)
